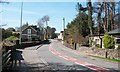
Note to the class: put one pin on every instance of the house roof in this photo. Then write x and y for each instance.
(33, 27)
(115, 31)
(112, 32)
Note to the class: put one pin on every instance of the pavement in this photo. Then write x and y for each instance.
(27, 60)
(55, 57)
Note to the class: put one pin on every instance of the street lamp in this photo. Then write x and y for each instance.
(63, 28)
(21, 23)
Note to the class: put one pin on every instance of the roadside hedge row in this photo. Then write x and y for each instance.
(21, 46)
(27, 44)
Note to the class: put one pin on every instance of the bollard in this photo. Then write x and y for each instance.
(105, 53)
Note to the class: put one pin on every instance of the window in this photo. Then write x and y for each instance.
(97, 41)
(29, 31)
(117, 41)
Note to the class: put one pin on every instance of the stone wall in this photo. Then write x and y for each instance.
(67, 45)
(106, 53)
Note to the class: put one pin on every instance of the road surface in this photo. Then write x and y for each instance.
(55, 57)
(58, 57)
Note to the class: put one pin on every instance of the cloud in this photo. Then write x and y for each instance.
(24, 11)
(10, 20)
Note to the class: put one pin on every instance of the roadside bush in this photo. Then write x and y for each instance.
(27, 44)
(108, 41)
(13, 38)
(97, 45)
(118, 46)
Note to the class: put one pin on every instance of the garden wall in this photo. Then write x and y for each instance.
(106, 53)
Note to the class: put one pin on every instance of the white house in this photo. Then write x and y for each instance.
(60, 36)
(98, 39)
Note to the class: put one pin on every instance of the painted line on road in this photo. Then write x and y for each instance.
(64, 58)
(55, 52)
(45, 62)
(91, 66)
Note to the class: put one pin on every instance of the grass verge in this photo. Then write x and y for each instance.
(113, 60)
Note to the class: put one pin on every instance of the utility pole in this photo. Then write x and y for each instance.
(63, 28)
(21, 24)
(46, 31)
(63, 23)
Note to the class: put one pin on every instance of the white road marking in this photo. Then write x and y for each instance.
(44, 61)
(65, 58)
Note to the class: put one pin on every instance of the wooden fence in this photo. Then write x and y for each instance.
(6, 58)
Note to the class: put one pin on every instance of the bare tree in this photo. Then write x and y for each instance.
(45, 19)
(98, 8)
(89, 5)
(105, 18)
(40, 23)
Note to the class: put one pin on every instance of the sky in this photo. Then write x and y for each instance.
(33, 11)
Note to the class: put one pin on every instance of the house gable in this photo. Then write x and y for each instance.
(25, 31)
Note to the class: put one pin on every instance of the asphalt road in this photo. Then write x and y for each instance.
(58, 57)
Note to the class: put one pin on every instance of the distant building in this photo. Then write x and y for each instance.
(32, 33)
(98, 39)
(60, 36)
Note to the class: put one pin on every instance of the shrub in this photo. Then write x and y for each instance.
(97, 45)
(13, 38)
(27, 44)
(108, 41)
(118, 46)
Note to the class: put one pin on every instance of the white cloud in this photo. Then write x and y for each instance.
(10, 20)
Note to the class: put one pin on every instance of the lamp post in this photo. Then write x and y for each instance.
(63, 29)
(21, 23)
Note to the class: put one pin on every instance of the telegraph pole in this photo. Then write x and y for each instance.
(63, 28)
(63, 23)
(46, 31)
(21, 24)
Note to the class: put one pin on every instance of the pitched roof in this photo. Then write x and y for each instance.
(33, 27)
(115, 31)
(112, 32)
